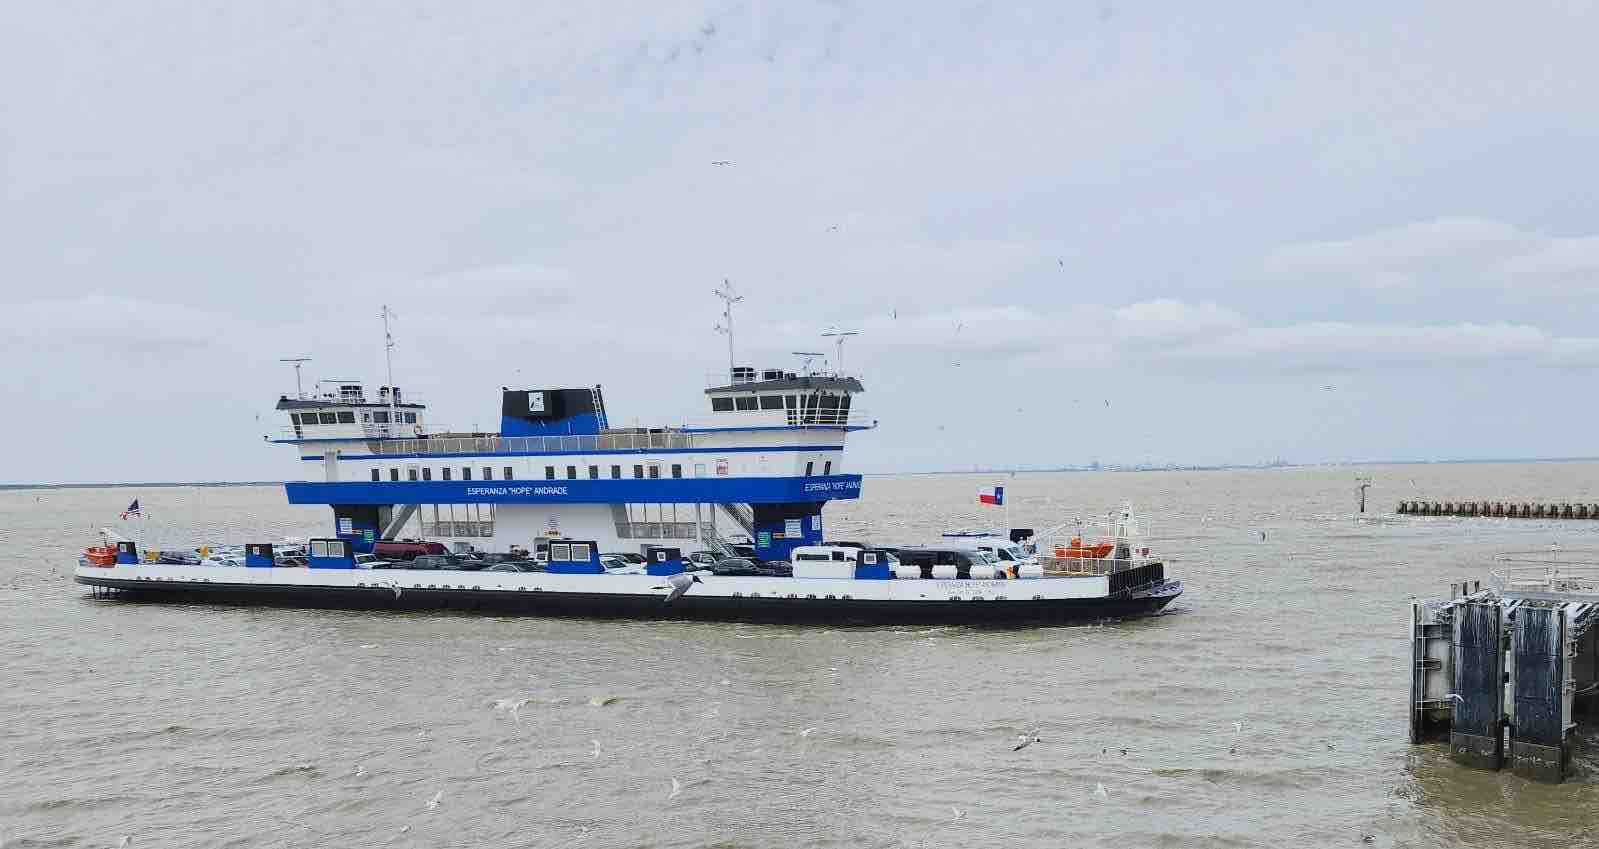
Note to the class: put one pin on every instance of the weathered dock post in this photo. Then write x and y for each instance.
(1536, 629)
(1476, 734)
(1539, 735)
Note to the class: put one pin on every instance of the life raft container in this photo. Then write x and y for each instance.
(1078, 551)
(101, 555)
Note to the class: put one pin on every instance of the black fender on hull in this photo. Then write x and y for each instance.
(1146, 602)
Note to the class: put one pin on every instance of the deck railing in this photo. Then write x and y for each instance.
(533, 444)
(1548, 571)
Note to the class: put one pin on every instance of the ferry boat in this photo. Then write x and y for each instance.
(541, 504)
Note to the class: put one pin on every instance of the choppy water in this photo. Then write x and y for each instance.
(211, 726)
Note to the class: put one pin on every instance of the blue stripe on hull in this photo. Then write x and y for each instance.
(629, 491)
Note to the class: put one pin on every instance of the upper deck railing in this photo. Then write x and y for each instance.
(1552, 571)
(533, 444)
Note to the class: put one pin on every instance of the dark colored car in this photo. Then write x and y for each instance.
(292, 562)
(435, 561)
(702, 558)
(630, 556)
(406, 549)
(515, 566)
(750, 566)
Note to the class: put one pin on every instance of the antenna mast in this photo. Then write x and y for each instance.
(838, 337)
(729, 298)
(296, 362)
(388, 357)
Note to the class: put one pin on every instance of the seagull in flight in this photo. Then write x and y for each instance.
(1025, 740)
(808, 732)
(721, 163)
(678, 584)
(433, 803)
(1100, 791)
(677, 788)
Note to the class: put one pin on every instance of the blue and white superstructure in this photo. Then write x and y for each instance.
(762, 462)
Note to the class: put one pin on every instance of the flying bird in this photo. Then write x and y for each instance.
(833, 229)
(1100, 791)
(433, 803)
(807, 732)
(1025, 740)
(596, 749)
(676, 789)
(720, 163)
(1238, 728)
(679, 584)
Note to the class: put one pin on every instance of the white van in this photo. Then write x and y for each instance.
(824, 561)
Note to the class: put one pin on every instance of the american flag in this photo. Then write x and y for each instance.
(133, 510)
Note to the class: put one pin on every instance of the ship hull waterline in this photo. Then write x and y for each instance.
(777, 608)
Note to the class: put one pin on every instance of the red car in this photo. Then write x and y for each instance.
(406, 549)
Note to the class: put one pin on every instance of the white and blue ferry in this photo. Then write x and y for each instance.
(557, 487)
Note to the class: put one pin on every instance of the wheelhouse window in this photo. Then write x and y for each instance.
(771, 402)
(722, 405)
(381, 417)
(410, 418)
(677, 470)
(329, 418)
(744, 402)
(549, 473)
(346, 417)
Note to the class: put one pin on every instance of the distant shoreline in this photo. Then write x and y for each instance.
(1141, 467)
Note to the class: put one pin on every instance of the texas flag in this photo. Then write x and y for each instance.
(991, 495)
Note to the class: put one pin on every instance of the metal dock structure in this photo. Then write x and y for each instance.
(1508, 672)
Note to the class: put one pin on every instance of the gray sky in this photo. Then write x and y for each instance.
(1204, 216)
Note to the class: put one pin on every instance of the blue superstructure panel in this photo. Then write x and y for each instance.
(259, 555)
(717, 490)
(127, 552)
(582, 424)
(331, 554)
(663, 560)
(574, 557)
(872, 565)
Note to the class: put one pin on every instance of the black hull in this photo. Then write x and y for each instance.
(607, 605)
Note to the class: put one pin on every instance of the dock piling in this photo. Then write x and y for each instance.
(1538, 738)
(1476, 733)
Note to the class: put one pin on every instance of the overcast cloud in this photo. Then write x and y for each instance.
(1114, 231)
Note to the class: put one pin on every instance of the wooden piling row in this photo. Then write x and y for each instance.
(1498, 509)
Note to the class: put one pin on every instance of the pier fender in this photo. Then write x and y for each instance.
(1476, 735)
(1538, 748)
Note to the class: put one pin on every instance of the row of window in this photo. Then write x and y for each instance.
(640, 470)
(780, 402)
(348, 417)
(427, 473)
